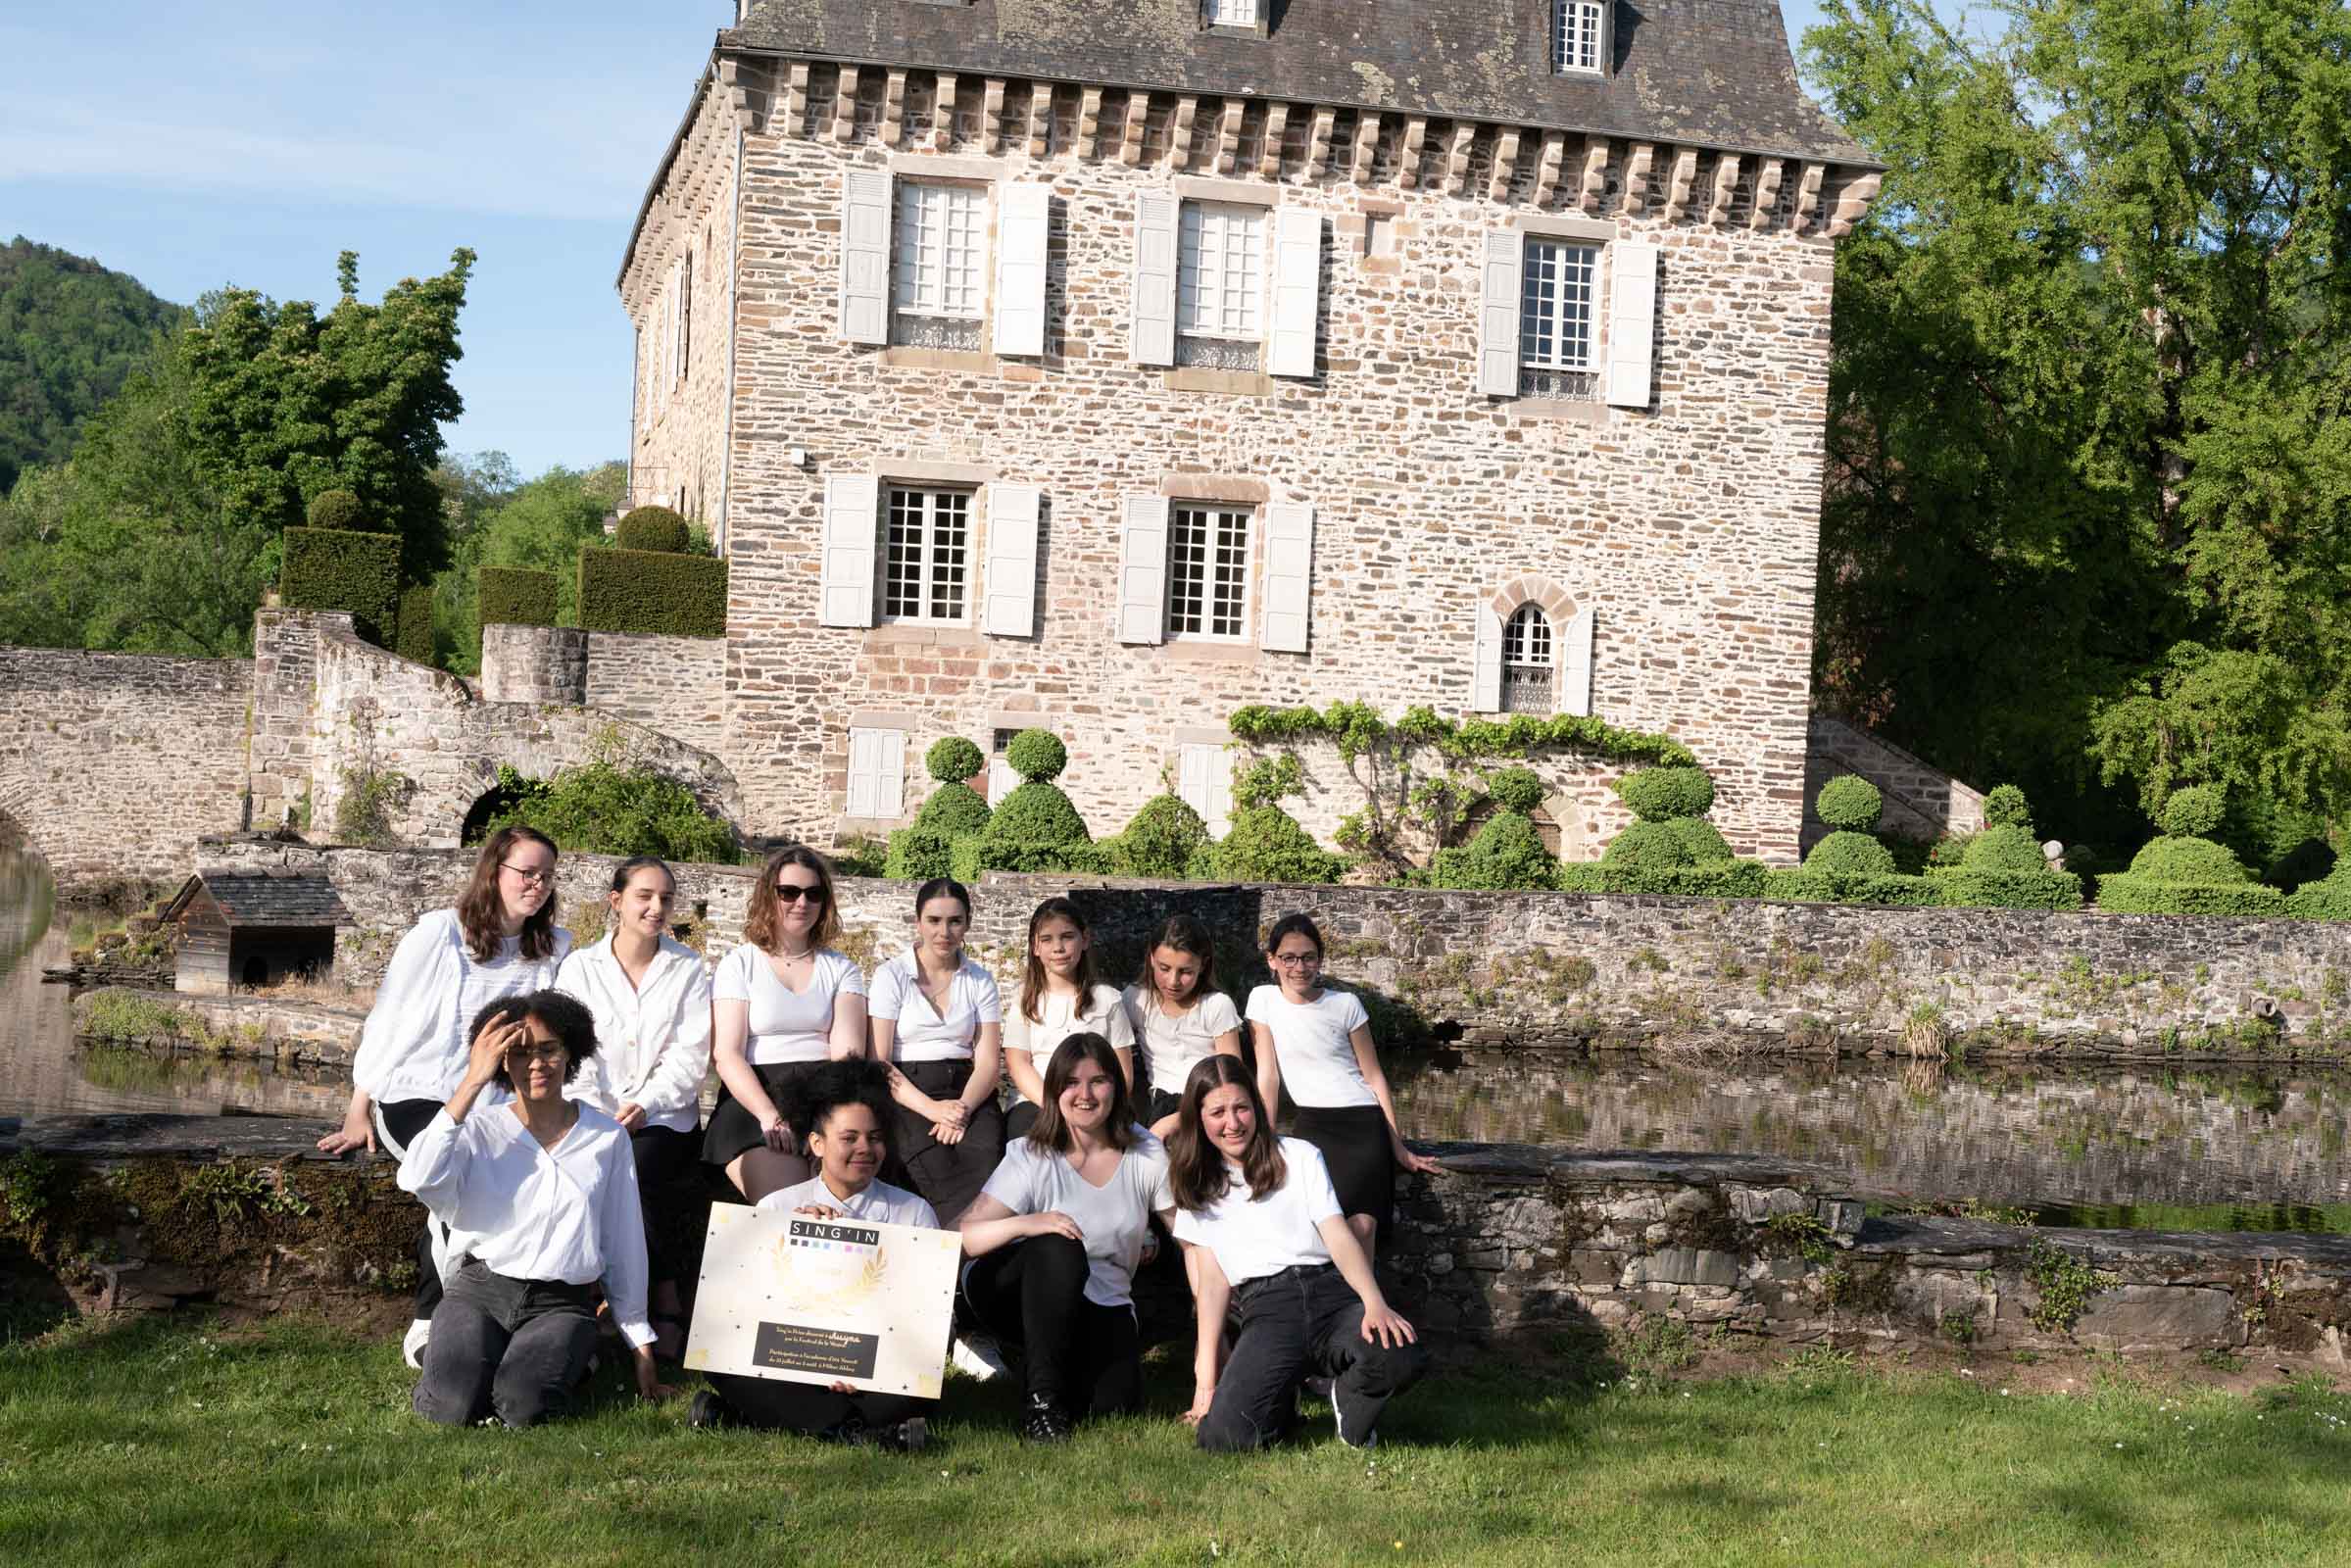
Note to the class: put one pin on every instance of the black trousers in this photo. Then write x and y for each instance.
(397, 1122)
(1302, 1321)
(665, 1158)
(806, 1407)
(514, 1349)
(1082, 1357)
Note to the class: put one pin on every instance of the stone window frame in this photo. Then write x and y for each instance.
(1259, 25)
(1193, 213)
(906, 184)
(1576, 398)
(967, 551)
(1556, 44)
(1556, 604)
(1253, 514)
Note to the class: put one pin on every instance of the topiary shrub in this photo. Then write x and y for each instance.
(2128, 894)
(1516, 789)
(1161, 840)
(1036, 756)
(1505, 853)
(1850, 804)
(1969, 887)
(413, 640)
(2326, 898)
(1037, 813)
(1266, 843)
(2193, 812)
(331, 569)
(1850, 855)
(1204, 865)
(953, 759)
(2006, 846)
(2188, 861)
(921, 848)
(514, 595)
(2005, 807)
(650, 592)
(919, 853)
(1808, 886)
(971, 856)
(1703, 841)
(1649, 845)
(1661, 794)
(336, 509)
(2188, 874)
(656, 530)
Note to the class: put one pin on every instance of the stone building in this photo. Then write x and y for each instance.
(1110, 364)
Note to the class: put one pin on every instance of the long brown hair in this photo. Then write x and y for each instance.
(1033, 978)
(759, 921)
(1049, 1131)
(1181, 933)
(1196, 1170)
(481, 913)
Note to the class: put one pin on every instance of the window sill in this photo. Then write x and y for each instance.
(1227, 383)
(903, 356)
(1201, 652)
(1568, 409)
(894, 636)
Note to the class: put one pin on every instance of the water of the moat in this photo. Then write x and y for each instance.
(2223, 1148)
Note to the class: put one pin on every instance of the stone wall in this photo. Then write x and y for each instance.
(112, 763)
(1510, 971)
(534, 664)
(1922, 801)
(1688, 527)
(676, 685)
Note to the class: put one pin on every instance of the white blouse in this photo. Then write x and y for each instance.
(927, 1034)
(653, 1040)
(786, 1025)
(880, 1202)
(1174, 1046)
(565, 1214)
(413, 1045)
(1057, 1018)
(1253, 1239)
(1115, 1217)
(1315, 1045)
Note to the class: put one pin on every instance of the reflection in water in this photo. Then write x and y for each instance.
(2033, 1137)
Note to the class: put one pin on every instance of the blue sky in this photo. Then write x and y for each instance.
(202, 143)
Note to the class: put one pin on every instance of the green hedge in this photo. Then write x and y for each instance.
(2126, 892)
(414, 640)
(514, 595)
(919, 853)
(335, 569)
(1722, 879)
(1703, 841)
(1507, 851)
(1161, 840)
(1266, 843)
(969, 856)
(651, 528)
(2328, 900)
(1809, 886)
(649, 591)
(1849, 853)
(1968, 887)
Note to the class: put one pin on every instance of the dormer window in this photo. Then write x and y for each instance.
(1230, 13)
(1578, 43)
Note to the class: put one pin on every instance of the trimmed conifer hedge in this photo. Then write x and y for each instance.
(336, 568)
(516, 596)
(651, 591)
(414, 640)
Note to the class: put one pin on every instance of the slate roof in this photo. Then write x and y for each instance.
(256, 898)
(1710, 73)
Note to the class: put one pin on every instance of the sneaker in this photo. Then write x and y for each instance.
(707, 1412)
(1042, 1421)
(910, 1436)
(978, 1356)
(1368, 1438)
(411, 1343)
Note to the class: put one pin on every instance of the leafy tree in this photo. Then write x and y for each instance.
(540, 525)
(2088, 392)
(71, 332)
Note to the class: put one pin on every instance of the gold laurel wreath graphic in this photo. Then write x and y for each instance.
(868, 1280)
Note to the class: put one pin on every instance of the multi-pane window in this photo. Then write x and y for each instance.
(1230, 13)
(1576, 34)
(1207, 570)
(1220, 285)
(1556, 318)
(1527, 661)
(926, 554)
(936, 299)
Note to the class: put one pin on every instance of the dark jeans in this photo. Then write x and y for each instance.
(1302, 1321)
(664, 1159)
(396, 1121)
(1081, 1356)
(512, 1349)
(806, 1407)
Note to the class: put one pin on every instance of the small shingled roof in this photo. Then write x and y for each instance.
(265, 899)
(1710, 73)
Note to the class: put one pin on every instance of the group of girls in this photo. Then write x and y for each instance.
(542, 1100)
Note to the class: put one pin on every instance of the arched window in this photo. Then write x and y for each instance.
(1528, 686)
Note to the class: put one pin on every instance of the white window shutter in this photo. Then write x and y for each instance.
(864, 775)
(1575, 676)
(1204, 782)
(1151, 335)
(1296, 291)
(1001, 780)
(865, 255)
(890, 774)
(1143, 571)
(853, 504)
(1631, 320)
(1010, 589)
(1486, 684)
(1288, 576)
(1497, 312)
(1024, 221)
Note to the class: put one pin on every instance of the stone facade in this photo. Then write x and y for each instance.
(676, 685)
(1683, 526)
(1922, 801)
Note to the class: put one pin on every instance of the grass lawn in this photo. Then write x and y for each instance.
(139, 1440)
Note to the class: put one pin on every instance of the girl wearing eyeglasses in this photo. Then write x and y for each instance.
(784, 1004)
(1318, 1039)
(501, 940)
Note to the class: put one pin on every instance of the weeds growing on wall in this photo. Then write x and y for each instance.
(605, 807)
(363, 816)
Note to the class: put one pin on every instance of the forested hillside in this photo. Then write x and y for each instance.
(70, 331)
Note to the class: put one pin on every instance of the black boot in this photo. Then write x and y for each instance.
(1043, 1421)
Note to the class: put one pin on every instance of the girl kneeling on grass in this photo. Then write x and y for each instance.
(539, 1196)
(839, 1115)
(1179, 1017)
(1259, 1217)
(1055, 1236)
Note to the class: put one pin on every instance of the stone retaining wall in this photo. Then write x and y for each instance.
(297, 1033)
(1508, 971)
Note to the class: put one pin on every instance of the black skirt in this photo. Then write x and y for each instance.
(733, 1130)
(1354, 1144)
(947, 1176)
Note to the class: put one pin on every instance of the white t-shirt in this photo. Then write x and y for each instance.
(925, 1034)
(1252, 1240)
(1310, 1042)
(1115, 1217)
(1057, 1018)
(880, 1202)
(786, 1025)
(1175, 1046)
